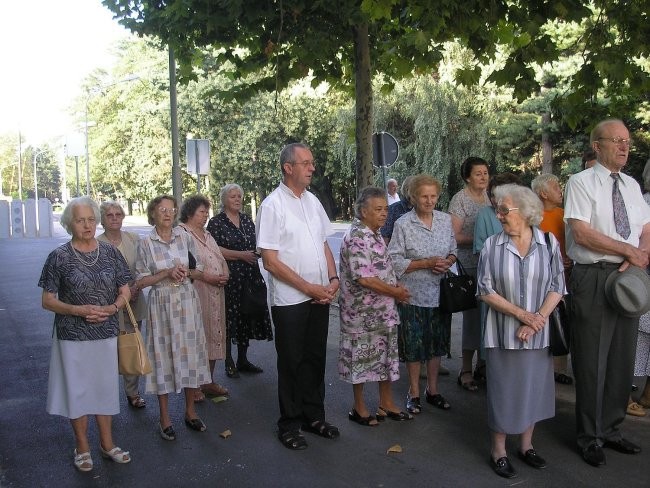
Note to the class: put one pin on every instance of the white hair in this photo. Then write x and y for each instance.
(68, 211)
(225, 190)
(529, 205)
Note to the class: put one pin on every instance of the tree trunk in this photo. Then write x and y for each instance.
(363, 96)
(547, 146)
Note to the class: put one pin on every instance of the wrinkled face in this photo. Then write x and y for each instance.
(392, 188)
(113, 218)
(613, 146)
(426, 198)
(232, 203)
(374, 213)
(300, 171)
(553, 193)
(509, 216)
(165, 213)
(200, 217)
(479, 178)
(84, 224)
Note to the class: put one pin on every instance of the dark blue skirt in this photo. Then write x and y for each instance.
(423, 333)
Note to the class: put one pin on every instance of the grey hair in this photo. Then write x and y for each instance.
(68, 211)
(224, 192)
(529, 205)
(391, 180)
(541, 182)
(288, 152)
(406, 193)
(600, 126)
(364, 196)
(104, 207)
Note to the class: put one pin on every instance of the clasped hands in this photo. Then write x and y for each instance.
(96, 314)
(323, 295)
(439, 265)
(531, 323)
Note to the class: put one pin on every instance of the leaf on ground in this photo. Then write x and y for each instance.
(225, 434)
(395, 448)
(219, 399)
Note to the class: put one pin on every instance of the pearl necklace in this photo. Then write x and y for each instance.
(82, 259)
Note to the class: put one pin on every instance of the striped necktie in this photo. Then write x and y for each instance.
(621, 221)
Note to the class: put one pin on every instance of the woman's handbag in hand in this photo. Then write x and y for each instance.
(132, 356)
(559, 328)
(559, 332)
(457, 292)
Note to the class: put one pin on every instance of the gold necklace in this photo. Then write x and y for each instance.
(82, 259)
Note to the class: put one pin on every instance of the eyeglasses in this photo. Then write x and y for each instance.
(619, 141)
(115, 215)
(165, 210)
(505, 210)
(305, 163)
(89, 221)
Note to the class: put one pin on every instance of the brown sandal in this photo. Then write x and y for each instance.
(136, 401)
(467, 385)
(214, 389)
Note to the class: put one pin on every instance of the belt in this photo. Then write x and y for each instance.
(600, 264)
(170, 283)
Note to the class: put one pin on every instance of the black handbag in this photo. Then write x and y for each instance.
(457, 292)
(558, 321)
(253, 298)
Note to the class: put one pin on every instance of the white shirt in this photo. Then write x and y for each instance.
(297, 228)
(392, 199)
(589, 199)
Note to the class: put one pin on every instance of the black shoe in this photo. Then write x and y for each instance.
(622, 445)
(293, 439)
(168, 434)
(594, 455)
(231, 371)
(502, 467)
(531, 458)
(248, 367)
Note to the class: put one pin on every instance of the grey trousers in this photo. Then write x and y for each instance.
(602, 351)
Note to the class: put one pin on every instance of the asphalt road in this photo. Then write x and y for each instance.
(439, 449)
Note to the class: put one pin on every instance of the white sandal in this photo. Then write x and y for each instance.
(116, 454)
(83, 462)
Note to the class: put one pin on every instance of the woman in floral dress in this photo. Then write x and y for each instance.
(369, 289)
(234, 231)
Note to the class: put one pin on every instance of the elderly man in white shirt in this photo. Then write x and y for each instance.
(392, 196)
(608, 229)
(292, 228)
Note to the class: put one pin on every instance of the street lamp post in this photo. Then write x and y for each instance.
(36, 155)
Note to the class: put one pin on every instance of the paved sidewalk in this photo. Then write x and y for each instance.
(439, 449)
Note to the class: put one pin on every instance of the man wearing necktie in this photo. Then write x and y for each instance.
(608, 229)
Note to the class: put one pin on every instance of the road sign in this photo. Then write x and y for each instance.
(385, 149)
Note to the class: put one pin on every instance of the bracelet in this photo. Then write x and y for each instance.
(116, 307)
(334, 278)
(538, 313)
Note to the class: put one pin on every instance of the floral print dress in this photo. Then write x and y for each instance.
(368, 320)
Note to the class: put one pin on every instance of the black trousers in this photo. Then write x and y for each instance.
(301, 345)
(602, 352)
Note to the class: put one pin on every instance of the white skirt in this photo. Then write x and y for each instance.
(83, 378)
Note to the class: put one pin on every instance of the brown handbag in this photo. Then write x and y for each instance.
(132, 358)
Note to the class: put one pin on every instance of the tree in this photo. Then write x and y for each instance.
(266, 45)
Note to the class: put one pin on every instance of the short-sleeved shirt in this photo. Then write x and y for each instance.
(463, 206)
(413, 240)
(296, 227)
(589, 199)
(364, 255)
(486, 225)
(395, 211)
(392, 198)
(522, 280)
(66, 274)
(553, 222)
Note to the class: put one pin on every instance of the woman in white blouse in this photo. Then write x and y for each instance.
(521, 280)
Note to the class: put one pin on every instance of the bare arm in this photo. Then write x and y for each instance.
(90, 312)
(398, 292)
(457, 225)
(593, 240)
(231, 255)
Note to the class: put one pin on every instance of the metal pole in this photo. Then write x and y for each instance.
(177, 187)
(87, 158)
(196, 161)
(380, 157)
(20, 166)
(76, 163)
